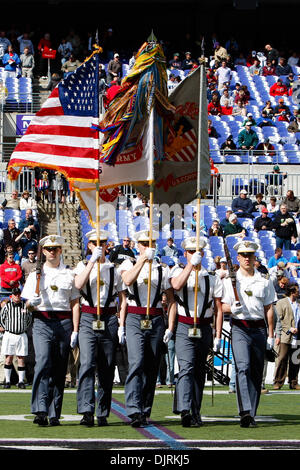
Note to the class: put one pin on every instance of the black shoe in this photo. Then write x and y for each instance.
(21, 385)
(41, 419)
(87, 420)
(54, 422)
(186, 419)
(144, 420)
(136, 420)
(245, 420)
(102, 421)
(6, 385)
(196, 421)
(253, 423)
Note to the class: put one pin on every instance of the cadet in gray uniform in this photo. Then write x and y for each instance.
(55, 326)
(191, 351)
(144, 346)
(250, 318)
(97, 346)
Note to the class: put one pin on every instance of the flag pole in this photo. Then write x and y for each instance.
(196, 331)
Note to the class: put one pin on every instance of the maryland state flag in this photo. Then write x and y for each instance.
(176, 174)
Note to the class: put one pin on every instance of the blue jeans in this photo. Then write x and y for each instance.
(283, 243)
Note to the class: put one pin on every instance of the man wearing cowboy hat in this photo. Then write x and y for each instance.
(55, 306)
(144, 336)
(251, 328)
(191, 351)
(98, 343)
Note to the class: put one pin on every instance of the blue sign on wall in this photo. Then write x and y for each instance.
(22, 122)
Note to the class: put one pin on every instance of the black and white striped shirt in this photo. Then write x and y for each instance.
(15, 318)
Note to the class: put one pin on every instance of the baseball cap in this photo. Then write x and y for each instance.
(265, 210)
(276, 167)
(116, 55)
(243, 191)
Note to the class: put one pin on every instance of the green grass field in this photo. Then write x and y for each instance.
(278, 418)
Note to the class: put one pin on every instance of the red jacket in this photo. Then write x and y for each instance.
(10, 272)
(214, 109)
(278, 90)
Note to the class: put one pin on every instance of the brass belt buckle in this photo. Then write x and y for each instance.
(195, 333)
(98, 325)
(146, 324)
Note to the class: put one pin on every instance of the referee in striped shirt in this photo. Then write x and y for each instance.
(15, 319)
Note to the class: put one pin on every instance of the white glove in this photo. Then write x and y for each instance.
(37, 300)
(122, 335)
(150, 252)
(270, 343)
(217, 345)
(167, 336)
(236, 308)
(196, 258)
(97, 253)
(74, 339)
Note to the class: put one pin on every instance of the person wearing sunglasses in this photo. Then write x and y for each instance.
(144, 345)
(251, 328)
(98, 346)
(55, 306)
(191, 351)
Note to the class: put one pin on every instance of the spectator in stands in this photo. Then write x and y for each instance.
(211, 129)
(293, 59)
(29, 264)
(285, 228)
(121, 252)
(294, 114)
(263, 222)
(175, 63)
(70, 65)
(215, 230)
(228, 147)
(30, 222)
(220, 54)
(265, 148)
(268, 69)
(268, 108)
(4, 43)
(276, 258)
(226, 98)
(225, 221)
(258, 205)
(294, 265)
(256, 68)
(136, 201)
(271, 54)
(111, 92)
(234, 228)
(249, 118)
(274, 180)
(123, 201)
(241, 96)
(26, 201)
(273, 206)
(13, 202)
(65, 49)
(278, 88)
(45, 41)
(239, 109)
(132, 60)
(279, 270)
(292, 203)
(281, 107)
(294, 126)
(214, 107)
(212, 90)
(247, 138)
(27, 63)
(172, 82)
(10, 249)
(236, 89)
(114, 69)
(265, 121)
(260, 267)
(10, 273)
(11, 62)
(192, 224)
(10, 234)
(222, 271)
(290, 80)
(282, 68)
(170, 249)
(142, 210)
(223, 74)
(54, 81)
(283, 117)
(27, 242)
(280, 284)
(25, 42)
(242, 205)
(187, 62)
(240, 60)
(210, 77)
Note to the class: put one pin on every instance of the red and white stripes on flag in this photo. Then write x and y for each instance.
(60, 136)
(188, 151)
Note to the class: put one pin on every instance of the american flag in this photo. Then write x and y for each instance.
(60, 136)
(182, 142)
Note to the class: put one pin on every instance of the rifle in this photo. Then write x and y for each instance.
(38, 270)
(232, 273)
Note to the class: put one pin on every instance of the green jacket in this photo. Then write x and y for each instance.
(249, 139)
